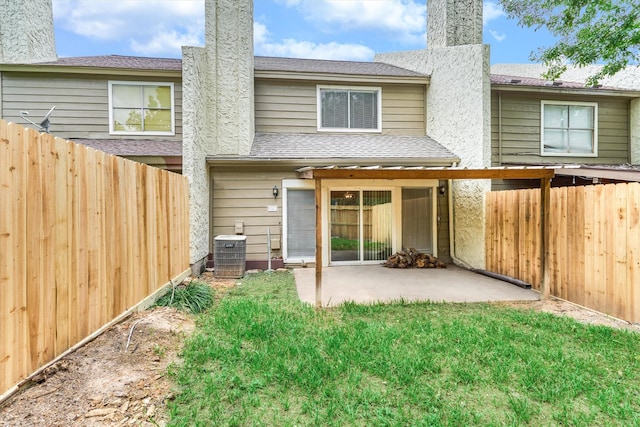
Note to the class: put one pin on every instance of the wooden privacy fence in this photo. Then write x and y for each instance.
(594, 243)
(83, 237)
(376, 221)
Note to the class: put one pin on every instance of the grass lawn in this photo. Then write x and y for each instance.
(260, 357)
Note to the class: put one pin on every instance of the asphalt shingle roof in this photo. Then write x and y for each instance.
(500, 79)
(134, 147)
(347, 146)
(264, 63)
(119, 61)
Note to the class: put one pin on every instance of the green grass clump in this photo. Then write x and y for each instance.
(341, 244)
(260, 357)
(194, 297)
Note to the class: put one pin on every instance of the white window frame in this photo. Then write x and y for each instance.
(594, 152)
(112, 131)
(378, 91)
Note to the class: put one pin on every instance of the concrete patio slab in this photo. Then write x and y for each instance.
(374, 283)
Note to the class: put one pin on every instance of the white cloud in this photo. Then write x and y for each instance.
(491, 11)
(499, 37)
(143, 25)
(403, 20)
(260, 34)
(305, 49)
(165, 43)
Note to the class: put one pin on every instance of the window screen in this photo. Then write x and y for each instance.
(349, 109)
(301, 223)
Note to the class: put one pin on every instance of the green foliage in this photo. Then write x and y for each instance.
(341, 244)
(588, 32)
(193, 298)
(260, 357)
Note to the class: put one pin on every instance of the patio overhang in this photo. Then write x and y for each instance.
(379, 172)
(543, 173)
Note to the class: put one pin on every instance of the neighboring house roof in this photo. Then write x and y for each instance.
(515, 82)
(500, 79)
(627, 78)
(134, 147)
(262, 63)
(119, 61)
(357, 148)
(295, 65)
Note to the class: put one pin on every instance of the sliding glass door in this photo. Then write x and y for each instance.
(361, 225)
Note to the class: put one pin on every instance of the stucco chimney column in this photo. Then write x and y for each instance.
(454, 22)
(26, 31)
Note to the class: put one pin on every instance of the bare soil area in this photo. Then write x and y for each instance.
(581, 314)
(106, 383)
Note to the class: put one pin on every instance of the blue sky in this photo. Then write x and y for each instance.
(324, 29)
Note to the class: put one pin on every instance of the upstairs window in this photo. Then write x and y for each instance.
(569, 129)
(141, 108)
(349, 109)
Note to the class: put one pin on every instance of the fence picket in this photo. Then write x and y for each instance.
(18, 251)
(78, 236)
(633, 249)
(594, 247)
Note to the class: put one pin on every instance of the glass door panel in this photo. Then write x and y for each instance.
(417, 219)
(301, 223)
(376, 214)
(345, 226)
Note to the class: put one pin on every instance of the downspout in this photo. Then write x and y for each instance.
(499, 128)
(2, 108)
(629, 118)
(459, 262)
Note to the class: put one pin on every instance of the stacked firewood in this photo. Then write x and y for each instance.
(412, 258)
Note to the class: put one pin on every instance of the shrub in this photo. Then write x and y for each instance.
(194, 297)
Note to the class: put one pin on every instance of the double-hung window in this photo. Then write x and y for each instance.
(141, 108)
(355, 109)
(569, 128)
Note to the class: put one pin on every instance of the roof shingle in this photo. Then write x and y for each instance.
(264, 63)
(414, 149)
(261, 63)
(134, 147)
(119, 61)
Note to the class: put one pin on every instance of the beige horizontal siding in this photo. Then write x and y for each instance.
(245, 196)
(521, 129)
(82, 104)
(291, 107)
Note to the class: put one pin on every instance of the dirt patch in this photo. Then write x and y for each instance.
(581, 314)
(106, 383)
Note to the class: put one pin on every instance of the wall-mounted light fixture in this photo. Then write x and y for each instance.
(275, 192)
(442, 189)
